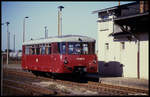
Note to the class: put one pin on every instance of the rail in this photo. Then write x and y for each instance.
(102, 89)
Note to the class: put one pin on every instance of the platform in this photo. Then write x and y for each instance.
(127, 82)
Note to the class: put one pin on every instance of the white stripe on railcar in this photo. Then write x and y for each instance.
(66, 38)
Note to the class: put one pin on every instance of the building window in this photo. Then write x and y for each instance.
(123, 45)
(107, 46)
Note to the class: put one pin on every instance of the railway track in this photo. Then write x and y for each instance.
(27, 89)
(102, 89)
(130, 91)
(20, 83)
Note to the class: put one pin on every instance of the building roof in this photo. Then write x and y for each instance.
(104, 10)
(65, 38)
(131, 16)
(114, 8)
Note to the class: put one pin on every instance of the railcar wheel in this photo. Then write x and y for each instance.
(35, 73)
(48, 74)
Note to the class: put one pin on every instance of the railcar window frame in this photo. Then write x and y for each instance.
(91, 47)
(31, 49)
(43, 51)
(74, 48)
(86, 48)
(70, 48)
(62, 47)
(37, 48)
(27, 49)
(48, 49)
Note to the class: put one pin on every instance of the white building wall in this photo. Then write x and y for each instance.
(126, 56)
(129, 59)
(104, 29)
(144, 56)
(101, 41)
(108, 54)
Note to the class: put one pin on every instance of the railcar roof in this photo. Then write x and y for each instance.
(65, 38)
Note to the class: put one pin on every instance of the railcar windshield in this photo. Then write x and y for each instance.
(77, 48)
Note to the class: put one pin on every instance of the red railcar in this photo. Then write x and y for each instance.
(60, 55)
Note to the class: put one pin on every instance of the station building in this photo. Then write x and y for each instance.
(123, 40)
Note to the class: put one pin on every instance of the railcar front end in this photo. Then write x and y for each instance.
(78, 57)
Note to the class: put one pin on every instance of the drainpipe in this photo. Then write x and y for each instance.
(118, 3)
(138, 57)
(138, 60)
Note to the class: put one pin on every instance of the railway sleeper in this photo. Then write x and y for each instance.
(29, 87)
(119, 88)
(11, 90)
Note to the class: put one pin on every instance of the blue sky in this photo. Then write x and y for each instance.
(77, 19)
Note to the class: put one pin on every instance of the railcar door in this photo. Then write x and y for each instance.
(55, 57)
(45, 57)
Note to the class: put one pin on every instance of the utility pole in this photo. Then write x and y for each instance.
(60, 20)
(8, 42)
(14, 42)
(45, 32)
(2, 76)
(24, 28)
(7, 23)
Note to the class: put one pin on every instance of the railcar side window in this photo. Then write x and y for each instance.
(75, 48)
(70, 48)
(43, 50)
(26, 50)
(48, 49)
(78, 48)
(62, 48)
(40, 46)
(81, 48)
(31, 51)
(37, 50)
(85, 48)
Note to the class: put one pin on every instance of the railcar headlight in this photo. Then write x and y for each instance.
(65, 61)
(85, 69)
(94, 61)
